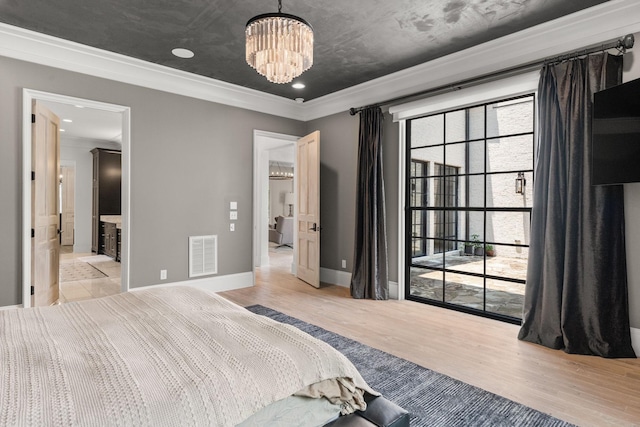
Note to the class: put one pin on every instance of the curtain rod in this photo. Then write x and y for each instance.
(622, 45)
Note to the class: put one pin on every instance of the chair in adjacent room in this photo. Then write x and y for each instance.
(282, 233)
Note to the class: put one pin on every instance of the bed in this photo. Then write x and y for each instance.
(166, 357)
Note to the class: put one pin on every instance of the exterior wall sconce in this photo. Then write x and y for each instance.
(521, 182)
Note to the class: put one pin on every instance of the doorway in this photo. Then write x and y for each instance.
(281, 201)
(81, 275)
(80, 247)
(67, 199)
(274, 189)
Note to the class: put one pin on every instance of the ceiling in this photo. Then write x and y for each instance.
(355, 41)
(87, 123)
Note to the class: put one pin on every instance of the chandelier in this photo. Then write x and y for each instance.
(276, 172)
(279, 46)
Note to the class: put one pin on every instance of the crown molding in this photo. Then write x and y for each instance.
(588, 27)
(30, 46)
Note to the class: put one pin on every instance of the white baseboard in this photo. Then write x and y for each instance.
(635, 340)
(227, 282)
(343, 278)
(264, 260)
(335, 277)
(393, 290)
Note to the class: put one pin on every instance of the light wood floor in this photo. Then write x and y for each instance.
(587, 391)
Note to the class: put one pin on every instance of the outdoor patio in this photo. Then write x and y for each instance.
(502, 297)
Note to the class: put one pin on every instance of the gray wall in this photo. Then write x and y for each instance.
(186, 155)
(338, 169)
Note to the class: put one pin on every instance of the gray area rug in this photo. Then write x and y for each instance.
(432, 399)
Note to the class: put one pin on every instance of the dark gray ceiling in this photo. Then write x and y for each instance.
(355, 40)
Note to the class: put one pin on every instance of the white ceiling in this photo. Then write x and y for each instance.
(87, 123)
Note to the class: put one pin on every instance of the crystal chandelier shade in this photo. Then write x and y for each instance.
(279, 46)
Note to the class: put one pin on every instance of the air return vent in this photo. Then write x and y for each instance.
(203, 255)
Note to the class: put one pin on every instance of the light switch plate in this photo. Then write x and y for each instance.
(233, 206)
(233, 214)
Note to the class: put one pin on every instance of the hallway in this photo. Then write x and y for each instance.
(86, 276)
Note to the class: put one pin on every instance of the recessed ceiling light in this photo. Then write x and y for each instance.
(79, 106)
(298, 85)
(299, 100)
(67, 120)
(62, 130)
(182, 53)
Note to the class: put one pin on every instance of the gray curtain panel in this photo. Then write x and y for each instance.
(370, 278)
(576, 291)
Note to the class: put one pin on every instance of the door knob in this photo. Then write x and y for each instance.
(315, 227)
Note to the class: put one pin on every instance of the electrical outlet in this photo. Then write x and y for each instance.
(233, 215)
(163, 274)
(344, 263)
(232, 227)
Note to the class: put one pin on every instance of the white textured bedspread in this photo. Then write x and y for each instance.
(170, 356)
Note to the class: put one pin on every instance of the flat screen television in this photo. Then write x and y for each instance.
(615, 147)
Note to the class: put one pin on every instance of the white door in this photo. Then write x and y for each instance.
(45, 244)
(308, 209)
(67, 190)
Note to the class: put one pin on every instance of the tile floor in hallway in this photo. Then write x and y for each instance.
(86, 276)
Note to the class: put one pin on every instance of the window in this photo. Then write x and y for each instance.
(446, 195)
(467, 222)
(419, 196)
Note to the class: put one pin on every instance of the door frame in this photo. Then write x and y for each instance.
(264, 141)
(28, 95)
(71, 164)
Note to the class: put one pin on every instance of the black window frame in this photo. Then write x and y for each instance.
(466, 210)
(421, 237)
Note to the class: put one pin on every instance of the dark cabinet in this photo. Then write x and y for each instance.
(107, 182)
(118, 244)
(110, 239)
(100, 239)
